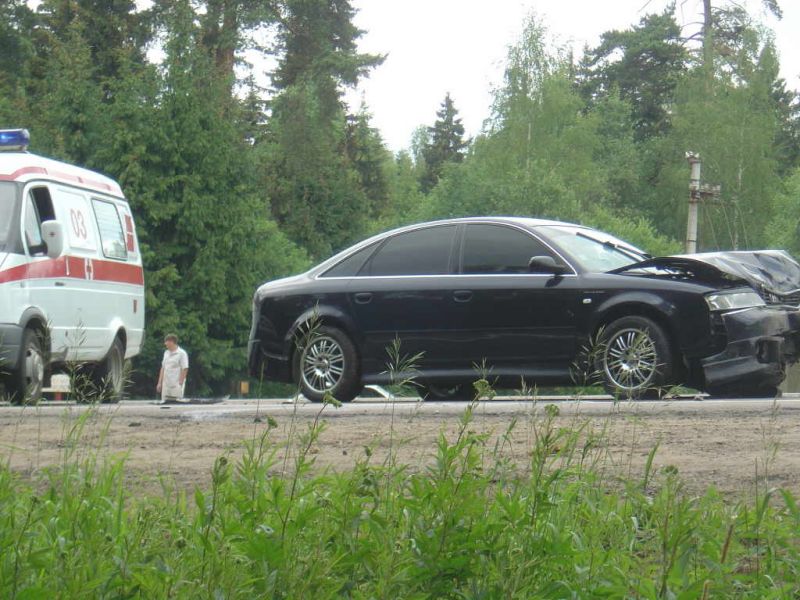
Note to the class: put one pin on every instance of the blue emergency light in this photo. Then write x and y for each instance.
(14, 140)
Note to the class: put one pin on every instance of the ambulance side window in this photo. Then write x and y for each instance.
(112, 238)
(38, 208)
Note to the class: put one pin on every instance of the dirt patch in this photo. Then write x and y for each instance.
(732, 447)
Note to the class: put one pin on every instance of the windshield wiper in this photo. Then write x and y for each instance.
(609, 244)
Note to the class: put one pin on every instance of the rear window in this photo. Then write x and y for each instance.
(351, 265)
(419, 252)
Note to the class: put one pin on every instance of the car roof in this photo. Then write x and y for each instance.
(526, 222)
(24, 167)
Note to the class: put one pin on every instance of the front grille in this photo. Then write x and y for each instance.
(790, 299)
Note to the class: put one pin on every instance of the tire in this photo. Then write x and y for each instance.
(327, 363)
(24, 386)
(108, 377)
(438, 392)
(634, 358)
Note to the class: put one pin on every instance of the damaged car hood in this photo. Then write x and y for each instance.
(770, 271)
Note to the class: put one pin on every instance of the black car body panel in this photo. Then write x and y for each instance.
(465, 301)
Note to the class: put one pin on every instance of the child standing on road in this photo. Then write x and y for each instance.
(174, 368)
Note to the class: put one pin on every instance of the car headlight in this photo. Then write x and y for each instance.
(734, 300)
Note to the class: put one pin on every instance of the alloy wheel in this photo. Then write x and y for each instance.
(630, 359)
(322, 364)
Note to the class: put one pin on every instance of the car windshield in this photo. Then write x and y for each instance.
(594, 251)
(8, 199)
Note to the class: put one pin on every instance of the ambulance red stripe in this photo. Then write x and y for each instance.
(73, 267)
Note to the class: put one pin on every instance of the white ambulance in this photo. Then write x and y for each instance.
(71, 278)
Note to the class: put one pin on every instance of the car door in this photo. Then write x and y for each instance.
(404, 291)
(506, 316)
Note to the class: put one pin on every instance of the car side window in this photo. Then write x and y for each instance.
(33, 227)
(419, 252)
(38, 208)
(350, 266)
(497, 249)
(112, 237)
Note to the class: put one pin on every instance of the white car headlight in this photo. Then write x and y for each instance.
(734, 300)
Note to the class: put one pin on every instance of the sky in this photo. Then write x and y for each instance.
(459, 46)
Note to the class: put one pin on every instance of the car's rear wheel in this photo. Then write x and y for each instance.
(24, 386)
(327, 362)
(434, 391)
(634, 358)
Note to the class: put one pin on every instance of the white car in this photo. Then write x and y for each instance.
(71, 277)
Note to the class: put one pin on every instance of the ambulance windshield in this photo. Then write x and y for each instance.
(8, 201)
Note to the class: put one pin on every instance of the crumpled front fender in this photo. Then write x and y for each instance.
(761, 342)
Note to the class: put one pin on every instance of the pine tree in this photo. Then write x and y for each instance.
(315, 191)
(369, 157)
(225, 28)
(114, 31)
(318, 40)
(643, 65)
(446, 143)
(17, 22)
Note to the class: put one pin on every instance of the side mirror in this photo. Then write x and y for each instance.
(545, 264)
(53, 236)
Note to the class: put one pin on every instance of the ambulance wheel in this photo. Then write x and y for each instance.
(108, 377)
(24, 386)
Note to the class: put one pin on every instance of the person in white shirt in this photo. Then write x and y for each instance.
(174, 368)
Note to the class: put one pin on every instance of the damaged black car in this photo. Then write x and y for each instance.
(528, 302)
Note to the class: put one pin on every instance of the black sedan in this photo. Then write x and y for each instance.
(528, 302)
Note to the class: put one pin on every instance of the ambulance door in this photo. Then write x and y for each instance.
(81, 302)
(46, 280)
(112, 272)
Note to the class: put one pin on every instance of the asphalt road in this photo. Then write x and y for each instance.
(201, 409)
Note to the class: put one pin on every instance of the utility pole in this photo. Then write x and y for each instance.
(697, 192)
(694, 201)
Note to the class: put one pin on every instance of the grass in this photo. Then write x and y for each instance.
(472, 524)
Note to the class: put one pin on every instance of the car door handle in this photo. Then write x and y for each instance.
(60, 284)
(363, 297)
(462, 295)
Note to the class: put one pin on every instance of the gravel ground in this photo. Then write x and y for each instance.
(732, 445)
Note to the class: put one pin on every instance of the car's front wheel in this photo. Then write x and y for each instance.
(634, 358)
(327, 362)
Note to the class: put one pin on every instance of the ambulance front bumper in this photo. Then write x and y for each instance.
(10, 342)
